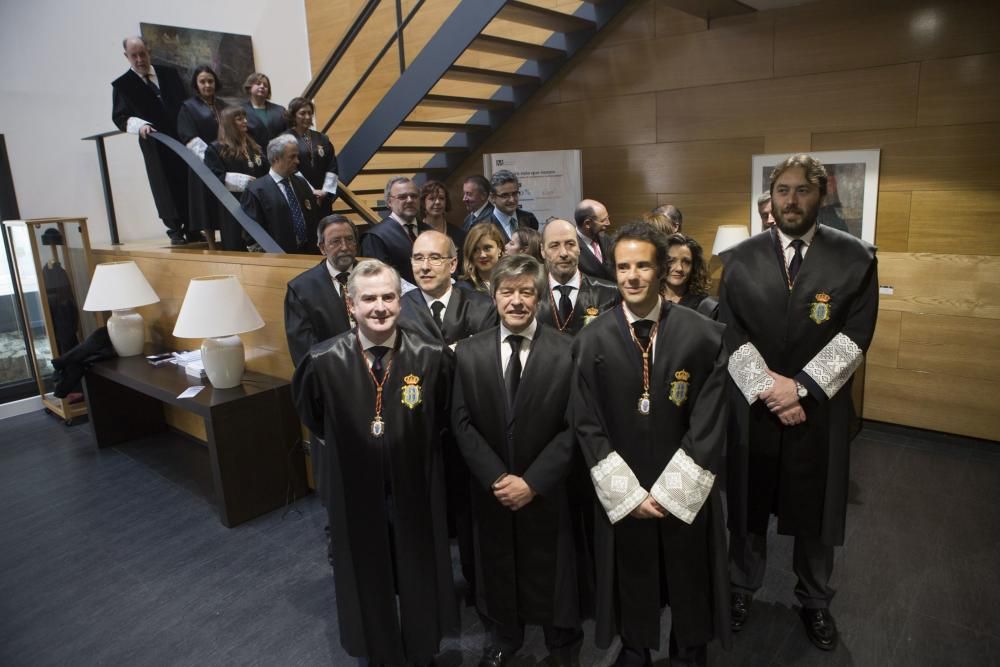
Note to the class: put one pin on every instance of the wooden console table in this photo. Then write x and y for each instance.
(252, 430)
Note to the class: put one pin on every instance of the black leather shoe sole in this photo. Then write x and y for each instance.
(820, 628)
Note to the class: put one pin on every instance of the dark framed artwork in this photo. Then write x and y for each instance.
(231, 56)
(852, 190)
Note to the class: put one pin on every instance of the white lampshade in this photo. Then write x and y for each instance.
(216, 306)
(728, 236)
(117, 286)
(217, 309)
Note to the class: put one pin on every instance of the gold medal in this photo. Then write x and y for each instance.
(319, 151)
(378, 427)
(644, 404)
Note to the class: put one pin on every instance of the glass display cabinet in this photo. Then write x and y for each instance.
(53, 265)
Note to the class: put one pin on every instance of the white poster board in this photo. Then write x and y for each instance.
(551, 182)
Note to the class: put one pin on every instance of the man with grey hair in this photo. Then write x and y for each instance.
(147, 100)
(392, 239)
(384, 476)
(282, 202)
(476, 197)
(510, 423)
(764, 211)
(505, 196)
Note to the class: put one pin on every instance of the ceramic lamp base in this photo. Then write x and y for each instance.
(224, 361)
(126, 331)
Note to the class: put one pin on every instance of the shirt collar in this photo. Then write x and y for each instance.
(367, 344)
(477, 213)
(334, 272)
(428, 299)
(278, 178)
(786, 240)
(572, 282)
(152, 75)
(400, 220)
(528, 333)
(653, 315)
(503, 217)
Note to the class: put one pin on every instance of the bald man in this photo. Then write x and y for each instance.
(673, 214)
(592, 223)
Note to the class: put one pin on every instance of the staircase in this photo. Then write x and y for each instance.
(443, 106)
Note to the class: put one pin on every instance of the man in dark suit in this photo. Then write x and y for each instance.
(592, 222)
(506, 192)
(476, 197)
(392, 239)
(282, 201)
(147, 100)
(574, 299)
(512, 387)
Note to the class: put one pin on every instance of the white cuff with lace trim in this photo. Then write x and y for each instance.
(683, 487)
(835, 364)
(749, 372)
(330, 183)
(237, 182)
(198, 147)
(134, 124)
(617, 487)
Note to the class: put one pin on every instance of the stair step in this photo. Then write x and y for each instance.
(488, 76)
(369, 191)
(434, 100)
(401, 170)
(513, 48)
(540, 17)
(442, 126)
(423, 149)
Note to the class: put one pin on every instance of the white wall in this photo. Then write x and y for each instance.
(59, 58)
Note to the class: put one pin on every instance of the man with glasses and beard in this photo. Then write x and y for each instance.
(392, 239)
(800, 302)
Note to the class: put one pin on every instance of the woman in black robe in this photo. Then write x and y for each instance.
(687, 282)
(236, 159)
(266, 119)
(197, 127)
(317, 161)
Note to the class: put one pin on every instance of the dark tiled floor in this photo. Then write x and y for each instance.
(118, 558)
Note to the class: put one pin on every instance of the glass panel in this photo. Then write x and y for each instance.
(32, 303)
(14, 364)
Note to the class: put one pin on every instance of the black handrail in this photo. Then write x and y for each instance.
(374, 63)
(338, 51)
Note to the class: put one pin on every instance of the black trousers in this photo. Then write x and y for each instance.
(812, 562)
(510, 638)
(690, 656)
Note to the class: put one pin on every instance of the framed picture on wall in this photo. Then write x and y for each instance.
(852, 189)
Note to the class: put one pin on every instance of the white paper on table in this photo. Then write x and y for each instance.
(191, 391)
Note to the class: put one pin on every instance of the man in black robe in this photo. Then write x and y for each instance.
(800, 302)
(147, 100)
(649, 411)
(438, 312)
(592, 222)
(282, 201)
(573, 299)
(392, 239)
(316, 308)
(378, 395)
(510, 422)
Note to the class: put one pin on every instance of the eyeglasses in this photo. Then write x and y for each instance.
(344, 241)
(406, 197)
(433, 260)
(507, 195)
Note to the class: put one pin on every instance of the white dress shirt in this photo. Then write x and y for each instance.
(573, 282)
(428, 299)
(653, 316)
(786, 243)
(528, 334)
(366, 345)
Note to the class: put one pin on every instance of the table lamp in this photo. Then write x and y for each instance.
(217, 309)
(727, 236)
(121, 288)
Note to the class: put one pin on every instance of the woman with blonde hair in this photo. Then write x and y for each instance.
(482, 250)
(265, 118)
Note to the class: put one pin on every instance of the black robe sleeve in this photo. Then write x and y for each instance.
(308, 397)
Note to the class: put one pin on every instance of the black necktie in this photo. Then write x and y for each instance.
(411, 230)
(342, 279)
(298, 220)
(436, 308)
(512, 376)
(154, 88)
(642, 328)
(565, 305)
(796, 263)
(377, 352)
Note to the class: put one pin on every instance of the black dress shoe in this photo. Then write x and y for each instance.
(633, 657)
(494, 656)
(178, 240)
(820, 628)
(739, 610)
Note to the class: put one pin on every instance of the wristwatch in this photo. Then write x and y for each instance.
(801, 390)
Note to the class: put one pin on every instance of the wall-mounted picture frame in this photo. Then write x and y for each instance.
(852, 191)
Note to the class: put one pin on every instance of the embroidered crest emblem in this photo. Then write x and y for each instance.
(309, 205)
(589, 315)
(412, 393)
(319, 151)
(377, 427)
(679, 388)
(819, 311)
(256, 158)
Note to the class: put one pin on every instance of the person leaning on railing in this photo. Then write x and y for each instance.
(317, 160)
(236, 159)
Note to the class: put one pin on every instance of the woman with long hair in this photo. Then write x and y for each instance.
(482, 250)
(525, 241)
(687, 282)
(434, 204)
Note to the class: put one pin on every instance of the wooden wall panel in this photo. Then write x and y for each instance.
(958, 157)
(956, 222)
(959, 285)
(960, 90)
(868, 98)
(854, 34)
(703, 215)
(671, 21)
(884, 349)
(892, 222)
(961, 346)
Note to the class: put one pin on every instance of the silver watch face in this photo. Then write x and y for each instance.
(801, 390)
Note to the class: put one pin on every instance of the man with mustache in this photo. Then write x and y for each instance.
(800, 302)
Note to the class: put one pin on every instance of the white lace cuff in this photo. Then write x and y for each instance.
(330, 183)
(835, 364)
(237, 182)
(197, 146)
(134, 124)
(617, 487)
(683, 487)
(749, 372)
